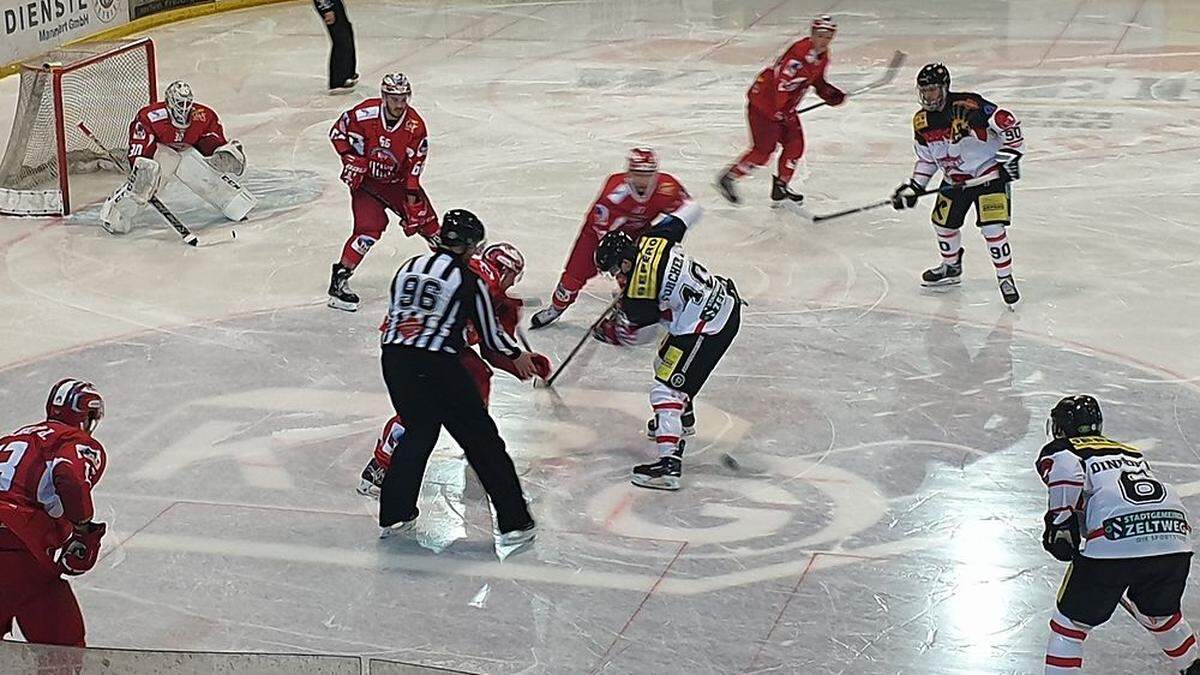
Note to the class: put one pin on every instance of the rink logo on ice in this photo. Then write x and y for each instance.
(1162, 522)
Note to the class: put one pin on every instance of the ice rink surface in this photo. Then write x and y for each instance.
(885, 516)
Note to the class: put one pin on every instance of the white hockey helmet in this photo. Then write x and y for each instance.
(179, 103)
(824, 22)
(395, 84)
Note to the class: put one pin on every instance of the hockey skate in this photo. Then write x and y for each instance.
(782, 195)
(371, 481)
(340, 295)
(1193, 669)
(727, 188)
(397, 528)
(1008, 289)
(661, 475)
(945, 274)
(545, 317)
(689, 425)
(517, 537)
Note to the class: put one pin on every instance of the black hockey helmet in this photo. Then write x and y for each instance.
(931, 76)
(614, 248)
(460, 227)
(1076, 416)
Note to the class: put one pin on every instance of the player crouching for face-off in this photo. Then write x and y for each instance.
(383, 145)
(47, 473)
(965, 136)
(701, 313)
(200, 158)
(1125, 533)
(629, 202)
(500, 266)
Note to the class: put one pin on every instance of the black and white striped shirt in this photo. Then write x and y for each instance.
(433, 297)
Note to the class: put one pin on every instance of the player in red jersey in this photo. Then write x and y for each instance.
(500, 265)
(629, 202)
(201, 158)
(774, 99)
(47, 473)
(383, 144)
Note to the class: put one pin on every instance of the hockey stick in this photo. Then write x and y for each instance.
(184, 232)
(893, 67)
(433, 242)
(579, 345)
(974, 182)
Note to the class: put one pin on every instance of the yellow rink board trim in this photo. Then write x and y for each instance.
(154, 21)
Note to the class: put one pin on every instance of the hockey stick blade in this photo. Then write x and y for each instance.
(582, 341)
(889, 74)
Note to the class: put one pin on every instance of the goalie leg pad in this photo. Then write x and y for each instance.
(119, 210)
(219, 190)
(144, 179)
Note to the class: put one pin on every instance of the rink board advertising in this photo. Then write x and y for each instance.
(32, 27)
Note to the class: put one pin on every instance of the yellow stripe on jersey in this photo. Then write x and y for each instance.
(1100, 443)
(643, 281)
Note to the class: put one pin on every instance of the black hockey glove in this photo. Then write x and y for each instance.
(1061, 540)
(905, 196)
(1010, 164)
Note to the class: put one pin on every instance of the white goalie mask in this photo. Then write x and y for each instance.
(179, 103)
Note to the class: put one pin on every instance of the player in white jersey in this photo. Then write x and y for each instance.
(1125, 533)
(964, 136)
(701, 313)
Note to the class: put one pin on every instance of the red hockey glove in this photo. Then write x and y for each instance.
(833, 96)
(419, 218)
(82, 550)
(615, 330)
(354, 168)
(542, 364)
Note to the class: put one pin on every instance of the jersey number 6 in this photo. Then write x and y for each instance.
(1140, 488)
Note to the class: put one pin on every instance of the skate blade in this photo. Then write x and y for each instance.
(943, 283)
(342, 305)
(670, 483)
(797, 208)
(728, 198)
(367, 489)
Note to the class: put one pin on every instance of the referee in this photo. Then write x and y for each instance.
(343, 63)
(433, 297)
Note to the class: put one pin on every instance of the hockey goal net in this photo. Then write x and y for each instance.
(103, 85)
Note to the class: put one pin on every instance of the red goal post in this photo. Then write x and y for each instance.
(102, 84)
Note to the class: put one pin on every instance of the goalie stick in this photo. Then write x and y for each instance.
(186, 234)
(893, 67)
(974, 182)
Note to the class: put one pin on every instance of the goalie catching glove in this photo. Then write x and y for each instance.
(82, 550)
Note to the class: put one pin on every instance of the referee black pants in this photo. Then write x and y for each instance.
(343, 62)
(431, 390)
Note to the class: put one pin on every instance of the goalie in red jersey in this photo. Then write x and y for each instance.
(47, 473)
(500, 265)
(773, 100)
(383, 144)
(630, 201)
(198, 156)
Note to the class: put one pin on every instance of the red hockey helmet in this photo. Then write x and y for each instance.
(643, 160)
(824, 22)
(506, 259)
(76, 403)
